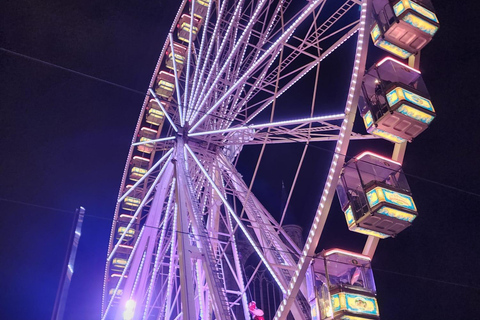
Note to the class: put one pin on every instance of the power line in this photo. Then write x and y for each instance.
(72, 71)
(310, 145)
(222, 118)
(264, 248)
(92, 77)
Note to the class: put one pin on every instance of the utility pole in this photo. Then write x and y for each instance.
(67, 272)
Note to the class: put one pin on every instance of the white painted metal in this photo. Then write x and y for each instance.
(185, 262)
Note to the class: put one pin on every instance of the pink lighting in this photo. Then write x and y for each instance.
(376, 156)
(397, 62)
(348, 253)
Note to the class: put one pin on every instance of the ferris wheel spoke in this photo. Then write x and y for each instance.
(214, 38)
(336, 165)
(323, 133)
(154, 95)
(234, 52)
(171, 268)
(201, 58)
(227, 38)
(177, 80)
(147, 174)
(160, 248)
(235, 217)
(278, 43)
(297, 77)
(189, 55)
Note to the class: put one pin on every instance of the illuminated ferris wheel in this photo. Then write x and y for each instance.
(183, 207)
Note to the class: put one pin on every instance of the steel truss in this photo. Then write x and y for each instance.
(178, 244)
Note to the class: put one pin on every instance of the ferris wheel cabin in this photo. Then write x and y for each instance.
(145, 135)
(184, 26)
(154, 114)
(344, 287)
(403, 27)
(394, 102)
(375, 196)
(180, 53)
(138, 168)
(165, 84)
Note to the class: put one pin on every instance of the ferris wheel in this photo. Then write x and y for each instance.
(183, 206)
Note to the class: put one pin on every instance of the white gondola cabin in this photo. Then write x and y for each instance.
(344, 287)
(180, 54)
(184, 26)
(375, 196)
(154, 114)
(403, 27)
(394, 101)
(165, 84)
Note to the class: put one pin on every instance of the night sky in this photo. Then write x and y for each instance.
(65, 138)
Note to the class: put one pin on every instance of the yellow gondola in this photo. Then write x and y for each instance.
(146, 135)
(342, 287)
(180, 53)
(130, 203)
(201, 8)
(165, 84)
(139, 168)
(394, 101)
(154, 114)
(375, 196)
(183, 27)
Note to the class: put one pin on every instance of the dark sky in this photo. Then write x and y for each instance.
(65, 138)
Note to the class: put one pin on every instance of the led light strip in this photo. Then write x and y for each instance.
(398, 62)
(272, 124)
(267, 53)
(134, 217)
(357, 255)
(225, 38)
(145, 175)
(160, 245)
(214, 35)
(237, 219)
(337, 162)
(199, 59)
(368, 153)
